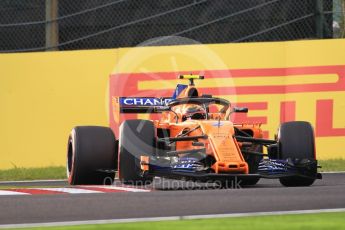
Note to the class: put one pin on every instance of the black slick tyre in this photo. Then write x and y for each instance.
(296, 141)
(137, 138)
(253, 163)
(91, 156)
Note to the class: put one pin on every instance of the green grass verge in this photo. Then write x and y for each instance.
(56, 172)
(332, 165)
(59, 172)
(281, 222)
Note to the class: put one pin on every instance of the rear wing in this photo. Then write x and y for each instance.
(144, 104)
(139, 104)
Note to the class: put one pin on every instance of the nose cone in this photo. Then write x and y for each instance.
(225, 149)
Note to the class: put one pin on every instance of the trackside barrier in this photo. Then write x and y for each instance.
(43, 95)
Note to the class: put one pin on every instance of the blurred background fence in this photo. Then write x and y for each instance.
(38, 25)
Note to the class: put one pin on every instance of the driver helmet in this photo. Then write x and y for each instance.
(195, 112)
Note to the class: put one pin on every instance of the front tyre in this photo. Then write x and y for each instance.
(296, 141)
(91, 152)
(253, 163)
(137, 138)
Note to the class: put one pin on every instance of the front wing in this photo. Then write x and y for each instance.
(270, 169)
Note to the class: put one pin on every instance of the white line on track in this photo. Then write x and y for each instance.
(120, 188)
(71, 190)
(11, 193)
(192, 217)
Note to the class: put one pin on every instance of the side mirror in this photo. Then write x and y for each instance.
(240, 110)
(160, 109)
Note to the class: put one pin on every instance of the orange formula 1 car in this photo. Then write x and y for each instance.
(193, 140)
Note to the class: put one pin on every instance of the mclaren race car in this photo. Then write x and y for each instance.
(194, 139)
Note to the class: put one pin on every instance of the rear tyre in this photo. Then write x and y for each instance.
(296, 141)
(137, 138)
(91, 151)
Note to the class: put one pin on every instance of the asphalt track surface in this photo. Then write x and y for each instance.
(171, 198)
